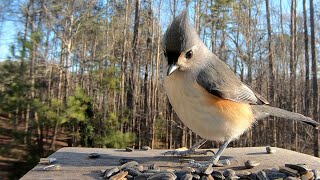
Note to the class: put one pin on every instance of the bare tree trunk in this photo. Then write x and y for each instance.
(33, 80)
(197, 15)
(136, 67)
(123, 65)
(307, 63)
(293, 98)
(282, 124)
(271, 75)
(315, 110)
(67, 56)
(22, 67)
(157, 78)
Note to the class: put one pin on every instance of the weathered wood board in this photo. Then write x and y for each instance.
(75, 163)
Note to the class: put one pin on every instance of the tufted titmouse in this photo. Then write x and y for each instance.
(205, 93)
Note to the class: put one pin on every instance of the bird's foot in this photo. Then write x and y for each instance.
(187, 152)
(220, 163)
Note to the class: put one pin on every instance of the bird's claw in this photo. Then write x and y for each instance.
(221, 163)
(187, 152)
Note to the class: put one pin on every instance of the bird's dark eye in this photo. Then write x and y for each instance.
(189, 54)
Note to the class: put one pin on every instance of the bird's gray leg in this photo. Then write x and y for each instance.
(191, 150)
(214, 160)
(198, 144)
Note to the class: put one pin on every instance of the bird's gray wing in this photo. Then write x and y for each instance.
(219, 80)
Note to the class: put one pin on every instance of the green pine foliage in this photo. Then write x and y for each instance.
(77, 106)
(50, 113)
(85, 123)
(13, 89)
(115, 139)
(78, 116)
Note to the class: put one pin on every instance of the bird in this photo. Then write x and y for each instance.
(207, 96)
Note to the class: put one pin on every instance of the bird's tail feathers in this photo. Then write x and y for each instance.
(262, 111)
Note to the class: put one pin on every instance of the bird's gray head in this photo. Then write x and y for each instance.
(181, 44)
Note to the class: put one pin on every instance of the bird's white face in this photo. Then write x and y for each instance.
(187, 58)
(182, 61)
(182, 45)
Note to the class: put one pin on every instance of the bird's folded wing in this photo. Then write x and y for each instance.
(219, 80)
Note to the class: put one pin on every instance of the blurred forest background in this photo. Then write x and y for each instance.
(89, 72)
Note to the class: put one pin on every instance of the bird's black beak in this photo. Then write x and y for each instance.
(172, 68)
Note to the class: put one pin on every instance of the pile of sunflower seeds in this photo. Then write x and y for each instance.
(132, 170)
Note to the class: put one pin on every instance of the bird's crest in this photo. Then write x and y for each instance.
(180, 34)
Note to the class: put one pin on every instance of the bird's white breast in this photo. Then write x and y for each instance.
(192, 107)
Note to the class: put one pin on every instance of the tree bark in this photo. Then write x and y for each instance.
(307, 63)
(293, 102)
(22, 69)
(271, 75)
(136, 67)
(315, 110)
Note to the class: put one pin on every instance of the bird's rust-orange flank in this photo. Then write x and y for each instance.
(234, 112)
